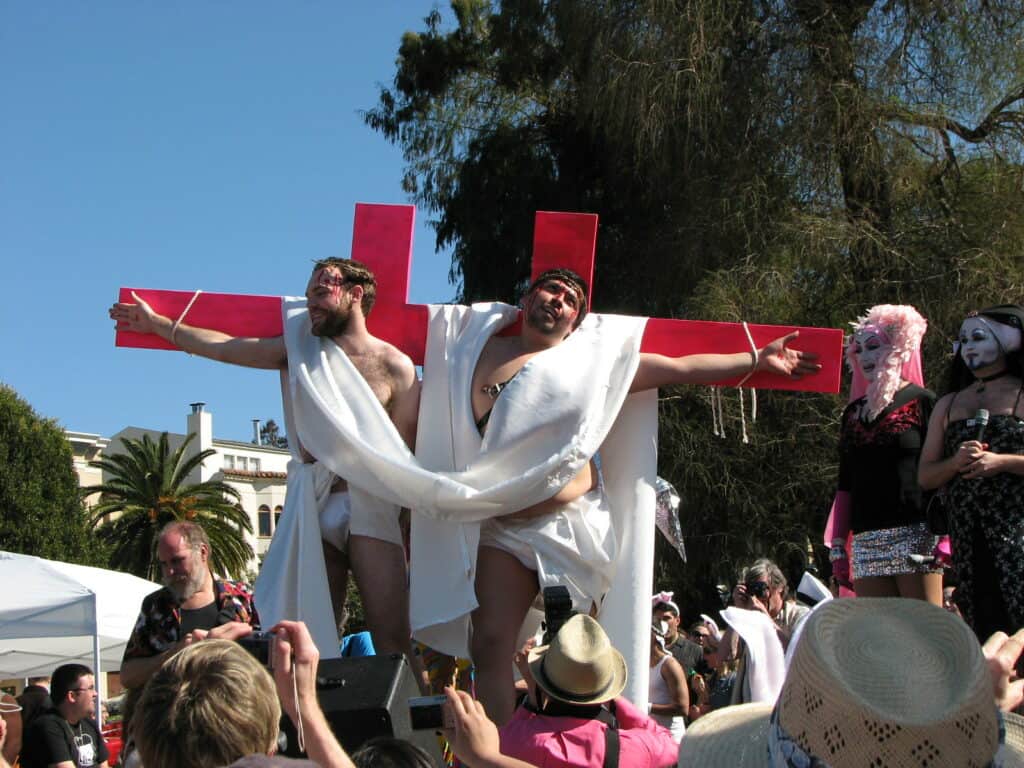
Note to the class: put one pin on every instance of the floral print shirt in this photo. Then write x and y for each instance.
(159, 624)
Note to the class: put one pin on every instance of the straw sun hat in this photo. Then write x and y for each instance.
(580, 666)
(882, 682)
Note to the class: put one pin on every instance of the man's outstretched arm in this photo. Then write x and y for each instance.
(659, 371)
(251, 352)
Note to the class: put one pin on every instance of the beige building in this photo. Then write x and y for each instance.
(257, 472)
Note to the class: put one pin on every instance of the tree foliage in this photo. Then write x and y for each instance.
(270, 435)
(41, 512)
(146, 487)
(779, 161)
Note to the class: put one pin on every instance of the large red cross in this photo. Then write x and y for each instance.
(382, 239)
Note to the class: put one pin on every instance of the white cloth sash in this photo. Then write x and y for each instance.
(546, 425)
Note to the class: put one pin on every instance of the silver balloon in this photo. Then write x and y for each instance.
(666, 515)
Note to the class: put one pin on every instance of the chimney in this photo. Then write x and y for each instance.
(256, 432)
(201, 422)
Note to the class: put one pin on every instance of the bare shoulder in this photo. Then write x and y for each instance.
(942, 405)
(398, 364)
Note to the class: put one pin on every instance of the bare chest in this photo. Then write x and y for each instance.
(499, 363)
(377, 375)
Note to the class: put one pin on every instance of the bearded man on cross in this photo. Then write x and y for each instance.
(339, 296)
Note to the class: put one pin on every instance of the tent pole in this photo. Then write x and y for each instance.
(101, 683)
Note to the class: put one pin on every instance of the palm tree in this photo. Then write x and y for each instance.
(148, 486)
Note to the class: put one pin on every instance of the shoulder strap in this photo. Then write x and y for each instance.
(949, 410)
(611, 736)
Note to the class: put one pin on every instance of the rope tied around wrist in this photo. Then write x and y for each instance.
(174, 328)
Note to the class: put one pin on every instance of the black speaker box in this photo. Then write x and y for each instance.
(364, 698)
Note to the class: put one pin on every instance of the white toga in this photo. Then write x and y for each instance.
(563, 406)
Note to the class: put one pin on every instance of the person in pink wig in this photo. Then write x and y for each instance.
(879, 508)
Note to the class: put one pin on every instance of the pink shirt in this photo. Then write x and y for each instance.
(553, 742)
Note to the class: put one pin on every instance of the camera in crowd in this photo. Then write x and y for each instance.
(557, 611)
(430, 713)
(261, 646)
(758, 589)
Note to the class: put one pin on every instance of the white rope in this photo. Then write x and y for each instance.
(174, 328)
(753, 392)
(753, 351)
(743, 421)
(298, 712)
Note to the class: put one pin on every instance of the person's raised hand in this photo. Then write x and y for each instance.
(295, 658)
(138, 317)
(1002, 652)
(473, 735)
(778, 358)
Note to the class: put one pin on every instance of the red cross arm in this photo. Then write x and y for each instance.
(382, 239)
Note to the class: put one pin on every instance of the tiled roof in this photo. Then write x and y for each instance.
(246, 474)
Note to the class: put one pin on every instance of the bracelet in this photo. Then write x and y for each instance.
(753, 352)
(174, 328)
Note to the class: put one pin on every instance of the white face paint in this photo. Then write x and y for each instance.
(871, 350)
(979, 347)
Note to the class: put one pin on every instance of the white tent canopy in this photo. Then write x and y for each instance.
(54, 613)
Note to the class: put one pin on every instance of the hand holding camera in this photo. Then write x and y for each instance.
(294, 658)
(752, 595)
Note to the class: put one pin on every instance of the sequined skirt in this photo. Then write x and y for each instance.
(887, 552)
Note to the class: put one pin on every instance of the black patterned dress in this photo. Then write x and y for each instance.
(986, 519)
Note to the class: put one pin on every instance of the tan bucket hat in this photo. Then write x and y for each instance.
(885, 681)
(580, 666)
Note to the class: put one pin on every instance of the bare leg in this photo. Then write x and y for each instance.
(381, 575)
(876, 586)
(505, 588)
(923, 586)
(337, 580)
(380, 571)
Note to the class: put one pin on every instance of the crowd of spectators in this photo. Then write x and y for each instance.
(868, 681)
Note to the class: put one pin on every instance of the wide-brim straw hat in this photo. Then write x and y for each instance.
(885, 681)
(580, 666)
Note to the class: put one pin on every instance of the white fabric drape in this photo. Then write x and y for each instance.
(765, 662)
(545, 426)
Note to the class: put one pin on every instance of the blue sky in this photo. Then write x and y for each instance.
(212, 145)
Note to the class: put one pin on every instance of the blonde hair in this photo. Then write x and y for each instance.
(208, 705)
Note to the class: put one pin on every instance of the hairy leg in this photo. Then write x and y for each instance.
(381, 575)
(336, 562)
(923, 586)
(876, 586)
(505, 588)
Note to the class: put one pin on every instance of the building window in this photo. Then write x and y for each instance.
(242, 463)
(263, 520)
(254, 465)
(277, 515)
(229, 461)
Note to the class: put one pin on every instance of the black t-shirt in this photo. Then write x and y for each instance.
(687, 653)
(52, 739)
(199, 618)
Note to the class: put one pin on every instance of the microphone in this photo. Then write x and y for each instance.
(981, 420)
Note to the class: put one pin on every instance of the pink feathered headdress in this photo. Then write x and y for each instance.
(903, 327)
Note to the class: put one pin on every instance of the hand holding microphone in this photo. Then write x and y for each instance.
(981, 462)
